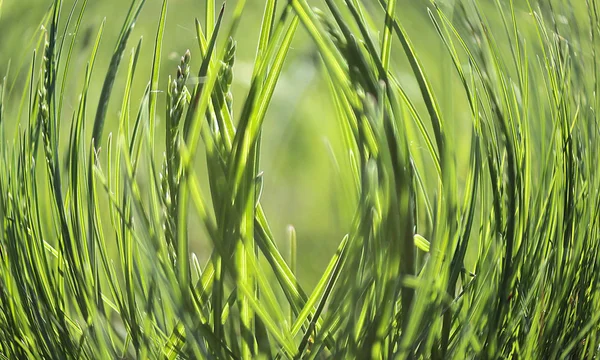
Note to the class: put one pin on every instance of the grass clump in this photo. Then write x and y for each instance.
(489, 255)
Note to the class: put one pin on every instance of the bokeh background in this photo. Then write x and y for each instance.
(306, 181)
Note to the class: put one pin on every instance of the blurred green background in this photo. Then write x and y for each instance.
(306, 182)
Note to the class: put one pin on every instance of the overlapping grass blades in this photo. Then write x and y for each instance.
(493, 255)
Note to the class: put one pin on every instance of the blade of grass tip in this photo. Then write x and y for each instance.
(115, 60)
(202, 45)
(32, 133)
(264, 53)
(248, 130)
(52, 70)
(332, 59)
(80, 118)
(361, 59)
(202, 98)
(209, 18)
(135, 142)
(445, 36)
(202, 86)
(386, 42)
(424, 85)
(65, 34)
(69, 53)
(221, 105)
(42, 25)
(268, 32)
(266, 29)
(156, 70)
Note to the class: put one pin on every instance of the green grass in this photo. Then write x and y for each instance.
(475, 231)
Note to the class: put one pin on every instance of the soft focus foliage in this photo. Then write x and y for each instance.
(450, 162)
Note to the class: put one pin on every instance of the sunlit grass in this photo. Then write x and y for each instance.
(490, 256)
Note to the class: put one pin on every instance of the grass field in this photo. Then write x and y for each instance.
(437, 162)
